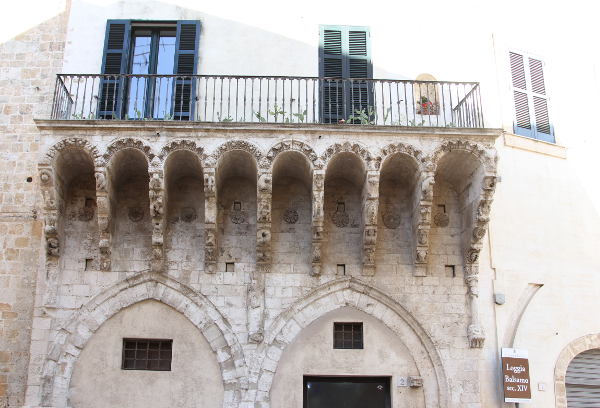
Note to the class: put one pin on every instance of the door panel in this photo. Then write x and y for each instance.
(347, 392)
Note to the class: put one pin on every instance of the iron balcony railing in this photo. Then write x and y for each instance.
(268, 99)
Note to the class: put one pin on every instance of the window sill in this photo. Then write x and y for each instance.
(533, 145)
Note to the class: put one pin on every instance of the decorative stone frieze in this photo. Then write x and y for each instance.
(157, 213)
(422, 221)
(72, 143)
(296, 146)
(242, 145)
(318, 195)
(371, 162)
(370, 209)
(180, 144)
(210, 220)
(127, 143)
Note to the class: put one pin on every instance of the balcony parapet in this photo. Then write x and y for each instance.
(262, 100)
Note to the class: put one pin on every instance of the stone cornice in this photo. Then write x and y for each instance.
(265, 130)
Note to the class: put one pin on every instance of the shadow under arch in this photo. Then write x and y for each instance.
(349, 291)
(74, 335)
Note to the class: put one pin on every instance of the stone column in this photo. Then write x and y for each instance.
(370, 210)
(51, 227)
(104, 216)
(157, 210)
(475, 332)
(210, 221)
(422, 221)
(318, 219)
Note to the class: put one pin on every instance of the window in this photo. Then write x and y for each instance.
(141, 49)
(347, 335)
(345, 60)
(530, 98)
(147, 354)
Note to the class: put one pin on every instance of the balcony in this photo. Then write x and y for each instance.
(268, 99)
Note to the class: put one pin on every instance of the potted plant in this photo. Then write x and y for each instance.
(427, 107)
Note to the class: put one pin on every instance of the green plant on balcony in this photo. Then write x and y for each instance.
(427, 107)
(362, 116)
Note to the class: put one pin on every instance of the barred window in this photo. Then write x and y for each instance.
(147, 354)
(347, 335)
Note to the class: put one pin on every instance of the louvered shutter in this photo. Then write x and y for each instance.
(114, 62)
(583, 380)
(344, 52)
(186, 64)
(531, 101)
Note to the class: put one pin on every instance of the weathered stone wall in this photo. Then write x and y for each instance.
(28, 63)
(260, 303)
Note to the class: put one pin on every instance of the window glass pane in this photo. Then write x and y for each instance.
(140, 64)
(164, 86)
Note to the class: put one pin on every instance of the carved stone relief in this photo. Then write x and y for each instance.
(135, 214)
(290, 216)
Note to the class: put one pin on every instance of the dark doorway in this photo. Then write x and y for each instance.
(347, 392)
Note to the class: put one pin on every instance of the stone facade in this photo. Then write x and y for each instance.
(124, 222)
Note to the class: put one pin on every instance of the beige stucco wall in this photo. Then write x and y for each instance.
(194, 379)
(312, 353)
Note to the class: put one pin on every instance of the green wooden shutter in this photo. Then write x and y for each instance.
(186, 65)
(344, 53)
(114, 62)
(530, 99)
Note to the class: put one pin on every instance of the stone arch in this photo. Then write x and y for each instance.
(232, 145)
(72, 143)
(370, 162)
(578, 346)
(73, 336)
(127, 143)
(181, 144)
(406, 150)
(488, 161)
(296, 146)
(359, 295)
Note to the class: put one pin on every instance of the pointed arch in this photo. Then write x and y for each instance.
(232, 145)
(352, 292)
(181, 144)
(485, 154)
(72, 338)
(406, 150)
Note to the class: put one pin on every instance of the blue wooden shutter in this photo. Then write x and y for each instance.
(344, 52)
(186, 65)
(115, 61)
(529, 94)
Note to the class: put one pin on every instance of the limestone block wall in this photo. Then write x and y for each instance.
(28, 63)
(153, 239)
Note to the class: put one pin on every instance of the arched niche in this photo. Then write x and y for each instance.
(291, 220)
(312, 353)
(76, 187)
(236, 197)
(398, 178)
(343, 224)
(194, 380)
(426, 94)
(458, 180)
(130, 211)
(184, 238)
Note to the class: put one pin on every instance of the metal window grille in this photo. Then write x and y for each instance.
(347, 335)
(147, 354)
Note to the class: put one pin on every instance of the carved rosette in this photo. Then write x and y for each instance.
(371, 201)
(422, 221)
(318, 191)
(263, 221)
(103, 212)
(210, 219)
(157, 210)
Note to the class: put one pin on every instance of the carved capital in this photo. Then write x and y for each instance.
(476, 336)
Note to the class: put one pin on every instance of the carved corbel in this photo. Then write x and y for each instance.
(210, 221)
(422, 221)
(371, 201)
(318, 193)
(263, 221)
(157, 210)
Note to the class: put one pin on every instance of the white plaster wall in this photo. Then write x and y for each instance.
(312, 353)
(194, 380)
